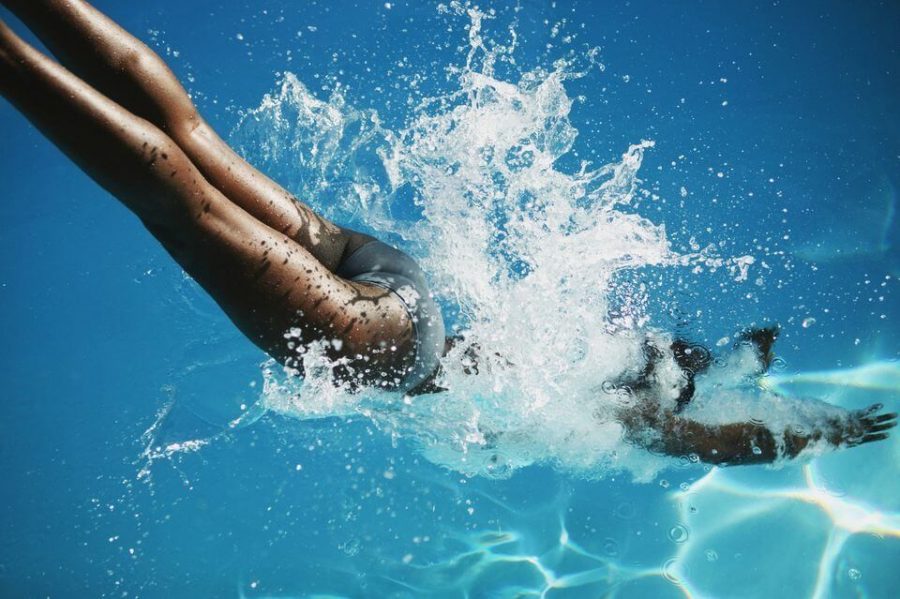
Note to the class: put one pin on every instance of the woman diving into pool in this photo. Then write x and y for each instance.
(277, 269)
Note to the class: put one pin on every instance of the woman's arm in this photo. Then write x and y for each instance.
(748, 442)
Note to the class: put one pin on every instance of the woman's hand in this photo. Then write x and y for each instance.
(748, 442)
(861, 426)
(848, 430)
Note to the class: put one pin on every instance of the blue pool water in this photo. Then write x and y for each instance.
(753, 156)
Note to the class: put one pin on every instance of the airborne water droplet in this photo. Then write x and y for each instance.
(481, 177)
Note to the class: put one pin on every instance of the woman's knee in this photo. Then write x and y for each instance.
(162, 99)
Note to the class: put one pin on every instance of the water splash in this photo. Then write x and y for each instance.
(524, 254)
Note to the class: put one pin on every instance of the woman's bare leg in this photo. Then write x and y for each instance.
(265, 282)
(124, 69)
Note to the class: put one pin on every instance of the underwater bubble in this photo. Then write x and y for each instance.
(608, 387)
(711, 555)
(699, 352)
(836, 491)
(808, 322)
(779, 364)
(668, 571)
(678, 534)
(832, 488)
(610, 547)
(578, 350)
(664, 483)
(757, 450)
(625, 510)
(350, 547)
(854, 574)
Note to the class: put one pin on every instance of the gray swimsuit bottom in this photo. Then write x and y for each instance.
(379, 264)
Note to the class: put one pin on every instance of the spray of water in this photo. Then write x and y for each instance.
(523, 255)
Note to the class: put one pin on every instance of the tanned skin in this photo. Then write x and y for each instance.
(118, 112)
(664, 431)
(114, 107)
(667, 430)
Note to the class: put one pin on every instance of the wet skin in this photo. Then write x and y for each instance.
(117, 111)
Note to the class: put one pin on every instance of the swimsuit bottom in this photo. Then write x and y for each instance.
(379, 264)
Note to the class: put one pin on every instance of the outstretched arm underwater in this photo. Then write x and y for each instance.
(741, 443)
(657, 428)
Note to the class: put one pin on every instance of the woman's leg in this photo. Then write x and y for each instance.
(265, 282)
(124, 69)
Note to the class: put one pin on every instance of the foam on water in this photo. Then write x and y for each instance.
(523, 254)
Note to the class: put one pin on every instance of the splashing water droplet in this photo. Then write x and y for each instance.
(526, 252)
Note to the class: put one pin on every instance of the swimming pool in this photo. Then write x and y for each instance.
(742, 169)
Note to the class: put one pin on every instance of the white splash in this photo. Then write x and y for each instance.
(523, 254)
